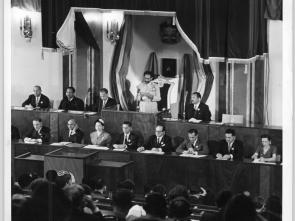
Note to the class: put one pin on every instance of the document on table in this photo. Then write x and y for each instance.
(153, 152)
(96, 147)
(192, 155)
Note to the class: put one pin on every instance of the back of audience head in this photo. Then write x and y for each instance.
(222, 198)
(122, 202)
(36, 183)
(274, 204)
(51, 175)
(241, 208)
(177, 191)
(179, 208)
(75, 194)
(64, 179)
(25, 180)
(159, 188)
(127, 184)
(155, 205)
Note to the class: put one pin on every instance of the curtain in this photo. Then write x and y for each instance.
(30, 5)
(83, 30)
(209, 82)
(120, 86)
(185, 87)
(152, 65)
(273, 9)
(219, 28)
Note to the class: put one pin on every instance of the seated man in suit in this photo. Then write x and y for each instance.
(39, 133)
(266, 152)
(70, 102)
(230, 148)
(105, 102)
(159, 142)
(37, 100)
(127, 140)
(197, 111)
(74, 134)
(193, 145)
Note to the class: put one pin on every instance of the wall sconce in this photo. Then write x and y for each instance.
(113, 31)
(26, 28)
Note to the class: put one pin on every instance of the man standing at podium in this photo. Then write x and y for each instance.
(127, 140)
(39, 134)
(70, 102)
(37, 100)
(197, 111)
(148, 93)
(74, 134)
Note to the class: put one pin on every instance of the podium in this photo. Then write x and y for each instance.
(74, 160)
(28, 163)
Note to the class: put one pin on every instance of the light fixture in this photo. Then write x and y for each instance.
(113, 31)
(26, 28)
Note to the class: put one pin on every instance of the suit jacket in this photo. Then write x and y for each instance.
(74, 138)
(236, 150)
(43, 101)
(132, 142)
(165, 143)
(104, 139)
(201, 148)
(202, 113)
(44, 134)
(110, 105)
(74, 104)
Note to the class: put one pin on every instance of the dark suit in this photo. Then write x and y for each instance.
(165, 143)
(111, 104)
(132, 142)
(202, 113)
(236, 149)
(74, 104)
(74, 138)
(43, 101)
(44, 134)
(14, 133)
(201, 148)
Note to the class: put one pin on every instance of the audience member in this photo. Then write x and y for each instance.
(179, 209)
(273, 209)
(100, 137)
(155, 207)
(122, 202)
(230, 148)
(266, 152)
(241, 208)
(39, 133)
(127, 184)
(197, 111)
(47, 203)
(73, 134)
(148, 94)
(51, 175)
(221, 202)
(37, 100)
(70, 102)
(83, 207)
(105, 102)
(64, 179)
(193, 144)
(159, 142)
(178, 191)
(127, 140)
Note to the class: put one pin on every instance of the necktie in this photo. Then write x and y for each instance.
(70, 133)
(125, 139)
(37, 101)
(158, 140)
(103, 104)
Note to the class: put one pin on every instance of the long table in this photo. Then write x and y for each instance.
(144, 125)
(149, 169)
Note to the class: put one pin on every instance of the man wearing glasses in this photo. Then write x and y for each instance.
(73, 134)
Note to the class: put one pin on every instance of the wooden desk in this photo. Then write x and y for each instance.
(150, 169)
(29, 163)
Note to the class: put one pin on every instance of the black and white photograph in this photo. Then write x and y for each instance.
(132, 110)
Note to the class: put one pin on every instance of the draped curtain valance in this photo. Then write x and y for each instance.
(219, 28)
